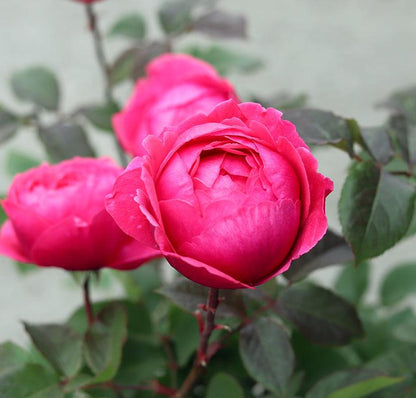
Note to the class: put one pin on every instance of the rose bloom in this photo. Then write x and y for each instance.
(176, 87)
(229, 198)
(57, 218)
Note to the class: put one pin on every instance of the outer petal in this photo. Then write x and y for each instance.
(114, 247)
(202, 273)
(66, 245)
(125, 210)
(10, 245)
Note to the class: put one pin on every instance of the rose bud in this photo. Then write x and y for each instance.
(229, 198)
(176, 86)
(57, 218)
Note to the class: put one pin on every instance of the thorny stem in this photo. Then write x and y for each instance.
(202, 356)
(87, 301)
(105, 68)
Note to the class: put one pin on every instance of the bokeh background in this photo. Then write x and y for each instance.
(346, 56)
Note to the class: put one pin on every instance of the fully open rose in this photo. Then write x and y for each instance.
(57, 218)
(229, 198)
(176, 87)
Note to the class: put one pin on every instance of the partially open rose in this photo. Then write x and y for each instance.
(229, 198)
(57, 218)
(177, 86)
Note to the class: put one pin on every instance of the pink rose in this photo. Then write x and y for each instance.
(57, 218)
(177, 87)
(229, 198)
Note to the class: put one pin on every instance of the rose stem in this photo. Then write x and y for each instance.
(105, 68)
(201, 358)
(87, 300)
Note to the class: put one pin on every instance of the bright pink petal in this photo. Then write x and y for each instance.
(203, 274)
(10, 245)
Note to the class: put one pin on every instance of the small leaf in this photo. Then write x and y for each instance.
(399, 284)
(375, 210)
(352, 282)
(221, 24)
(184, 333)
(65, 140)
(320, 315)
(131, 63)
(175, 16)
(12, 357)
(59, 344)
(104, 342)
(132, 26)
(9, 124)
(101, 115)
(267, 354)
(403, 133)
(331, 249)
(188, 295)
(143, 360)
(318, 127)
(378, 144)
(30, 381)
(283, 101)
(37, 85)
(405, 331)
(355, 383)
(225, 60)
(18, 162)
(403, 102)
(224, 385)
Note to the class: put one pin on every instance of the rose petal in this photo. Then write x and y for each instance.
(10, 245)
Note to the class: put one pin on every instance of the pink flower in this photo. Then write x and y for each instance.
(57, 218)
(229, 198)
(177, 87)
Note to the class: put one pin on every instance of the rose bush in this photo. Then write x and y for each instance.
(177, 86)
(57, 218)
(229, 198)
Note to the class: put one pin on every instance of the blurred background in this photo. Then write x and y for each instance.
(347, 57)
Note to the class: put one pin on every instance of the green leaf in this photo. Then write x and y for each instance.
(403, 133)
(184, 333)
(377, 142)
(9, 124)
(355, 383)
(104, 342)
(267, 354)
(101, 115)
(131, 64)
(375, 210)
(65, 140)
(30, 381)
(224, 385)
(143, 360)
(403, 102)
(221, 24)
(12, 357)
(319, 314)
(399, 284)
(37, 85)
(175, 16)
(59, 344)
(188, 295)
(132, 26)
(225, 60)
(318, 127)
(18, 162)
(283, 101)
(331, 249)
(352, 282)
(405, 331)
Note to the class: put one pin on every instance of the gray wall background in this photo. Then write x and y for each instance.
(347, 56)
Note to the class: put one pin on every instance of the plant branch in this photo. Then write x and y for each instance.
(105, 68)
(202, 356)
(87, 301)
